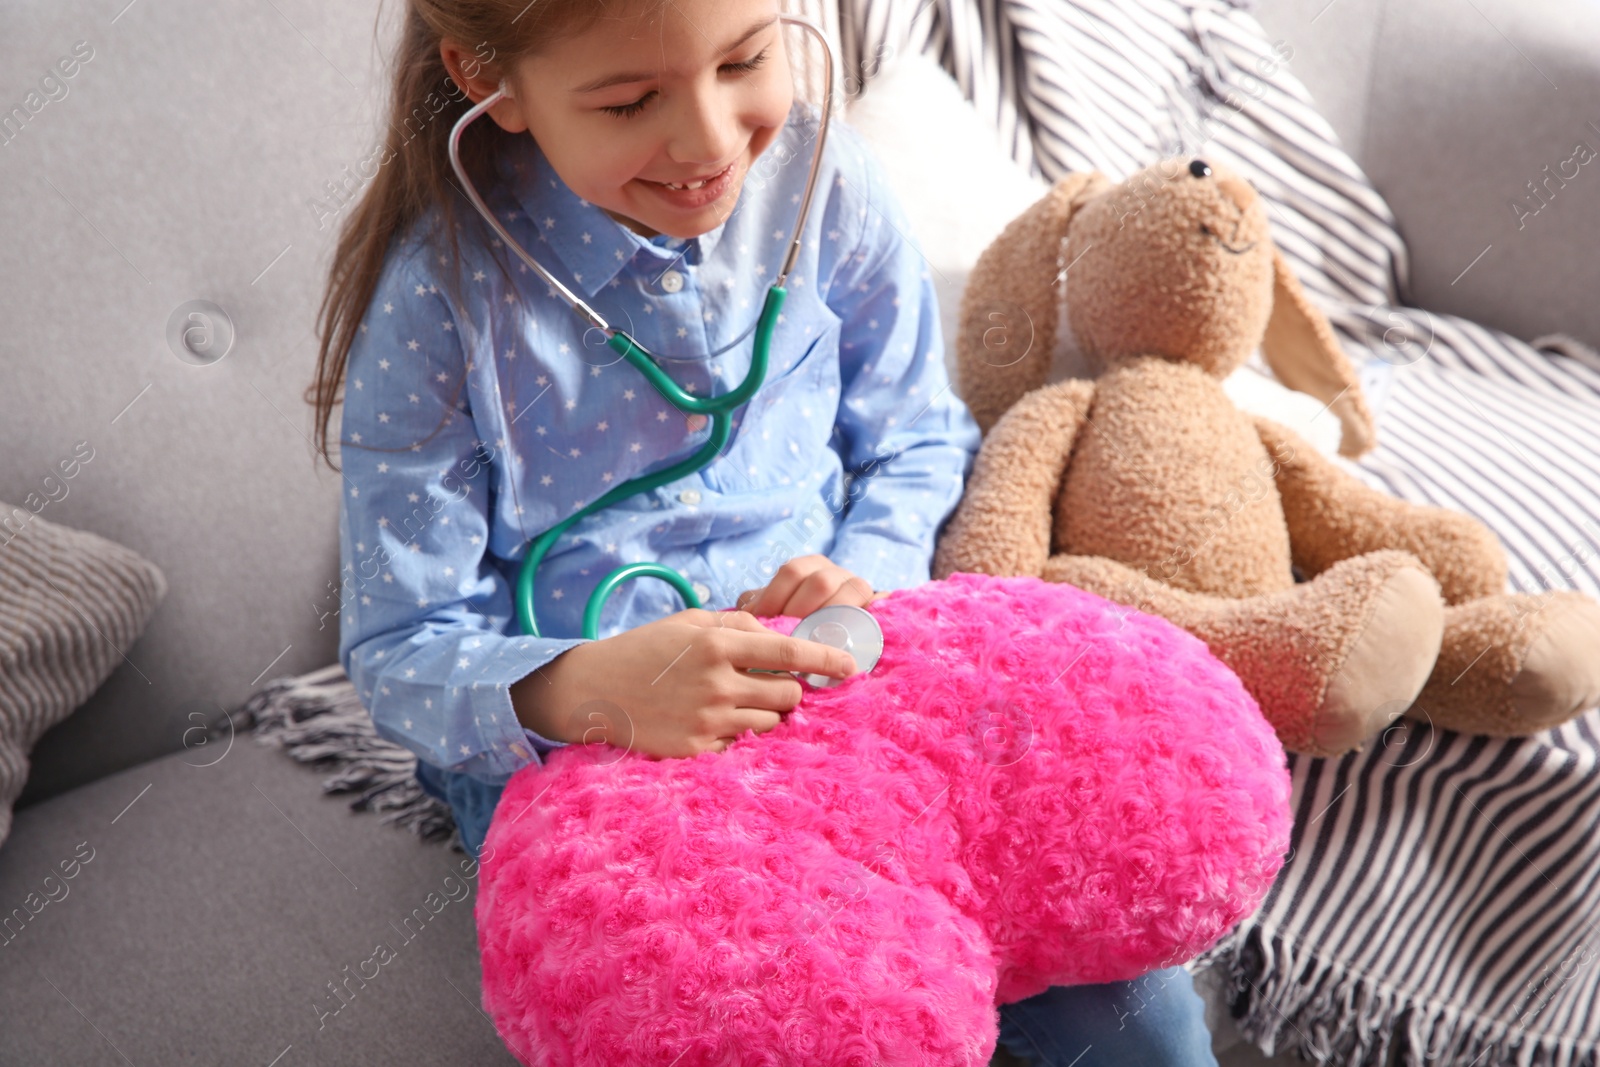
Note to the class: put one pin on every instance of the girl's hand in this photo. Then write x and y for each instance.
(678, 686)
(805, 584)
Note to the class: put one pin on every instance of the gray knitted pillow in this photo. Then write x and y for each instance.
(71, 604)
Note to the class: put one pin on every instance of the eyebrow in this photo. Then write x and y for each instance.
(628, 76)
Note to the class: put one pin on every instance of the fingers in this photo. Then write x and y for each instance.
(831, 585)
(730, 620)
(773, 651)
(772, 597)
(758, 719)
(766, 692)
(805, 584)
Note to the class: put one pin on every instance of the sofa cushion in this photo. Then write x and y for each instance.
(71, 605)
(161, 191)
(214, 895)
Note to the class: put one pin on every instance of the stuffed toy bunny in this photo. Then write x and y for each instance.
(1032, 787)
(1148, 486)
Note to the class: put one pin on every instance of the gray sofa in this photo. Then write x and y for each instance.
(202, 152)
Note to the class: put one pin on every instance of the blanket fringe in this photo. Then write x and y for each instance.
(317, 719)
(1285, 999)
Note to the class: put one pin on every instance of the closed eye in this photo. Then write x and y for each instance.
(627, 111)
(748, 65)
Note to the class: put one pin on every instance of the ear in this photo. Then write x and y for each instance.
(1304, 354)
(478, 78)
(1008, 311)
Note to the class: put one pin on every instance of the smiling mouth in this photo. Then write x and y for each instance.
(680, 186)
(1225, 245)
(697, 194)
(692, 185)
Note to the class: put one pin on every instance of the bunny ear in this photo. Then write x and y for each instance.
(1008, 311)
(1304, 354)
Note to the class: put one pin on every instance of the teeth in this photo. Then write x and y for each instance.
(691, 185)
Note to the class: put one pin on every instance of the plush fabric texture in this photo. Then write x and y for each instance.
(1146, 484)
(1008, 290)
(1033, 787)
(1409, 927)
(1170, 447)
(71, 605)
(1334, 617)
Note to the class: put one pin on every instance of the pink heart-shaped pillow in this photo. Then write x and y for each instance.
(1034, 786)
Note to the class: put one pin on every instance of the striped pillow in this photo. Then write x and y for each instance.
(71, 604)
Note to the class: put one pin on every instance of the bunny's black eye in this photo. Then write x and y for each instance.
(1199, 168)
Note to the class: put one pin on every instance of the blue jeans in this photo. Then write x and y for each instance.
(471, 801)
(1156, 1020)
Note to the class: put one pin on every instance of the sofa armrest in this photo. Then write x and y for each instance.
(1456, 108)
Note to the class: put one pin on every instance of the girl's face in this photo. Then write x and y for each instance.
(656, 117)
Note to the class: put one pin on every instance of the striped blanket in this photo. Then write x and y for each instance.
(1440, 903)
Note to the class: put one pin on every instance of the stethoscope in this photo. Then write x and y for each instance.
(838, 625)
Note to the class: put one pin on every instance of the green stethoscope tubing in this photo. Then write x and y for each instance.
(718, 407)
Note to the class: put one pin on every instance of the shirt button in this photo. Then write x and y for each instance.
(702, 591)
(672, 281)
(690, 496)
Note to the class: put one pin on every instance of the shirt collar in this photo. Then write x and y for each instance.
(591, 245)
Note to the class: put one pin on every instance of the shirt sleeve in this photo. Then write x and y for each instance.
(425, 611)
(905, 438)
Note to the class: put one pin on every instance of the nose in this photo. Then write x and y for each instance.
(1237, 190)
(706, 129)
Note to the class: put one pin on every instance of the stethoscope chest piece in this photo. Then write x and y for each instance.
(842, 626)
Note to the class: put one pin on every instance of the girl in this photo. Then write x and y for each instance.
(652, 155)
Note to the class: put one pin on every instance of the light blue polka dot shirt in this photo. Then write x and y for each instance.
(469, 430)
